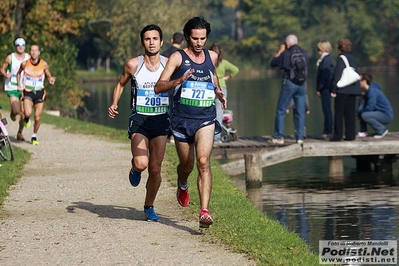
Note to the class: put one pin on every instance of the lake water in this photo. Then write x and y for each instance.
(298, 193)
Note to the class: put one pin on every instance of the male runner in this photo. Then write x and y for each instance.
(191, 72)
(9, 70)
(34, 94)
(149, 122)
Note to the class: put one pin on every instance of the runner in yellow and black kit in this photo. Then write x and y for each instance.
(34, 94)
(9, 69)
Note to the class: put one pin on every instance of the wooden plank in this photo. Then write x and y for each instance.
(272, 157)
(236, 153)
(349, 148)
(311, 148)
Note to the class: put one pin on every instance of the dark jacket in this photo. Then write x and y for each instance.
(168, 52)
(284, 60)
(353, 89)
(375, 100)
(325, 72)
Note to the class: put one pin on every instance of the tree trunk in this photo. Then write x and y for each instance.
(239, 32)
(107, 64)
(18, 16)
(99, 61)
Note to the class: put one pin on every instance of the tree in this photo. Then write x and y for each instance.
(49, 23)
(126, 25)
(270, 21)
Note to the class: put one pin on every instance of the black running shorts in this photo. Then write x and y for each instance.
(151, 126)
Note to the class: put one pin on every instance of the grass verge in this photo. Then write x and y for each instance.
(11, 171)
(238, 224)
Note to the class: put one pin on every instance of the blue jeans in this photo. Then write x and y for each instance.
(326, 106)
(376, 119)
(290, 90)
(219, 113)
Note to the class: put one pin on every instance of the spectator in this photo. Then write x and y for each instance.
(345, 97)
(177, 41)
(377, 110)
(291, 88)
(225, 70)
(325, 69)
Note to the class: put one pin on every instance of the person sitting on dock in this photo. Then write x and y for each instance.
(377, 110)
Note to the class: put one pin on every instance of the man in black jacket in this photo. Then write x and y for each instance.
(177, 42)
(289, 90)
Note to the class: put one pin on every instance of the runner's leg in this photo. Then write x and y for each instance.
(157, 152)
(204, 144)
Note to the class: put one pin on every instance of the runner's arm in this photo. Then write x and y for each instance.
(4, 67)
(47, 72)
(164, 84)
(128, 71)
(218, 91)
(21, 68)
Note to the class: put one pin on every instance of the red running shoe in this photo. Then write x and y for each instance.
(182, 196)
(205, 218)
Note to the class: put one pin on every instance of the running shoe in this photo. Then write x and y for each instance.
(182, 196)
(205, 218)
(34, 141)
(134, 177)
(20, 137)
(151, 215)
(12, 116)
(362, 134)
(27, 123)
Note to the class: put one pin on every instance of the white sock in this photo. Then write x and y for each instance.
(183, 187)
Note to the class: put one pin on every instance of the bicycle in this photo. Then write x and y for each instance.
(6, 150)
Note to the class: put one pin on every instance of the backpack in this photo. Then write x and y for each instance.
(299, 69)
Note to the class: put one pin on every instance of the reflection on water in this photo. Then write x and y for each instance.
(298, 193)
(362, 206)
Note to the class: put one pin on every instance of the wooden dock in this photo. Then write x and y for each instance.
(264, 154)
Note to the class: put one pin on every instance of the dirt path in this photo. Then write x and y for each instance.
(74, 206)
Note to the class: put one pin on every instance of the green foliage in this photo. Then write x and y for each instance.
(371, 25)
(49, 23)
(110, 29)
(126, 36)
(62, 61)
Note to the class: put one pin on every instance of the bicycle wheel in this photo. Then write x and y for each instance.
(6, 150)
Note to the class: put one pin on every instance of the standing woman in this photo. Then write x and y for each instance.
(325, 69)
(225, 70)
(345, 97)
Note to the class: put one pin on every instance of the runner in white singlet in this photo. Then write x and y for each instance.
(9, 70)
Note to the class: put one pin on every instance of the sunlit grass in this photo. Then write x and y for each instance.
(11, 171)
